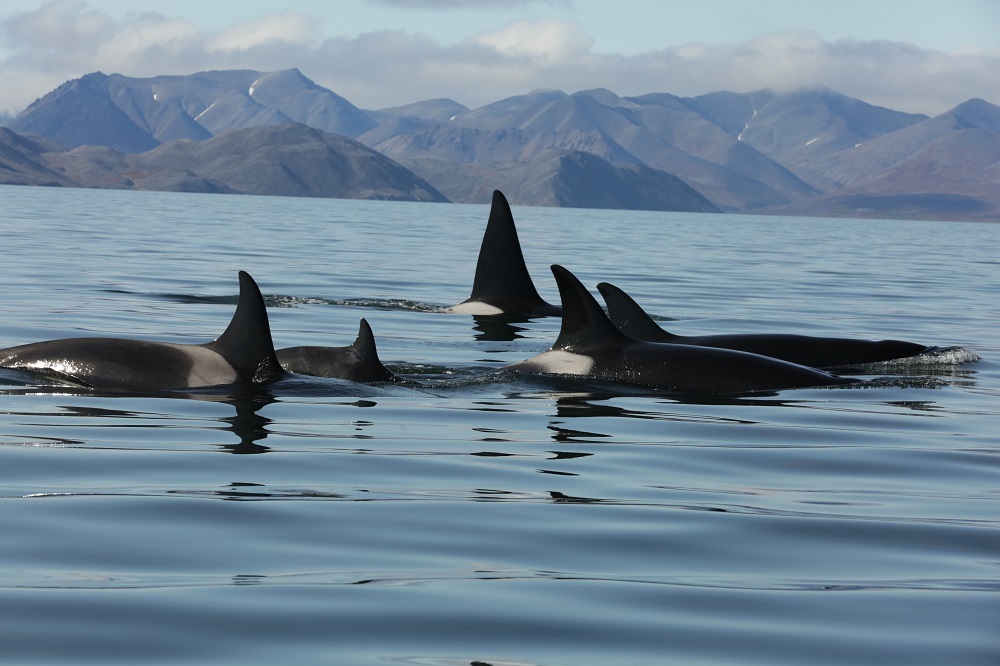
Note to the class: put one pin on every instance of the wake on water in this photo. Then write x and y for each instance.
(913, 372)
(927, 361)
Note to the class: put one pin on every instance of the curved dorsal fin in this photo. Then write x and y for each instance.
(246, 343)
(364, 346)
(629, 317)
(502, 278)
(584, 323)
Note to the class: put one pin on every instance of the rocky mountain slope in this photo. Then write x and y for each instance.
(282, 160)
(809, 151)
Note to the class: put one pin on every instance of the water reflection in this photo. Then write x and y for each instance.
(247, 424)
(99, 412)
(240, 491)
(591, 406)
(250, 427)
(570, 435)
(557, 472)
(249, 579)
(568, 455)
(916, 405)
(562, 498)
(586, 405)
(498, 328)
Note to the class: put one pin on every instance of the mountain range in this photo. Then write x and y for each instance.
(804, 152)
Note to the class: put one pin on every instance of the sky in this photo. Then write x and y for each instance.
(918, 56)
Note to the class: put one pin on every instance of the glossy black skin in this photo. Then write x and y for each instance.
(813, 351)
(358, 362)
(588, 336)
(502, 279)
(243, 354)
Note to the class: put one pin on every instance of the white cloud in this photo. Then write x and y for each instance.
(287, 27)
(550, 40)
(57, 29)
(146, 34)
(65, 39)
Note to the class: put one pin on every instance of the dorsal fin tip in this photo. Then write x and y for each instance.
(365, 342)
(246, 343)
(583, 321)
(367, 351)
(501, 274)
(629, 317)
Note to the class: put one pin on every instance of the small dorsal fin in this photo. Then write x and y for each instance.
(629, 316)
(584, 323)
(364, 346)
(502, 278)
(246, 343)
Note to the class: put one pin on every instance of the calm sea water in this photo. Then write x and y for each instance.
(511, 522)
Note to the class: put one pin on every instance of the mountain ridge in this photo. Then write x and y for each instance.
(809, 149)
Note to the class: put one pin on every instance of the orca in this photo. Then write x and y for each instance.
(502, 285)
(242, 355)
(814, 351)
(358, 362)
(590, 346)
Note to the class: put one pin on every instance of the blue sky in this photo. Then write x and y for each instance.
(912, 55)
(645, 25)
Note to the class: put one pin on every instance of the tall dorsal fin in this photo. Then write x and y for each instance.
(502, 278)
(629, 317)
(246, 343)
(584, 323)
(364, 346)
